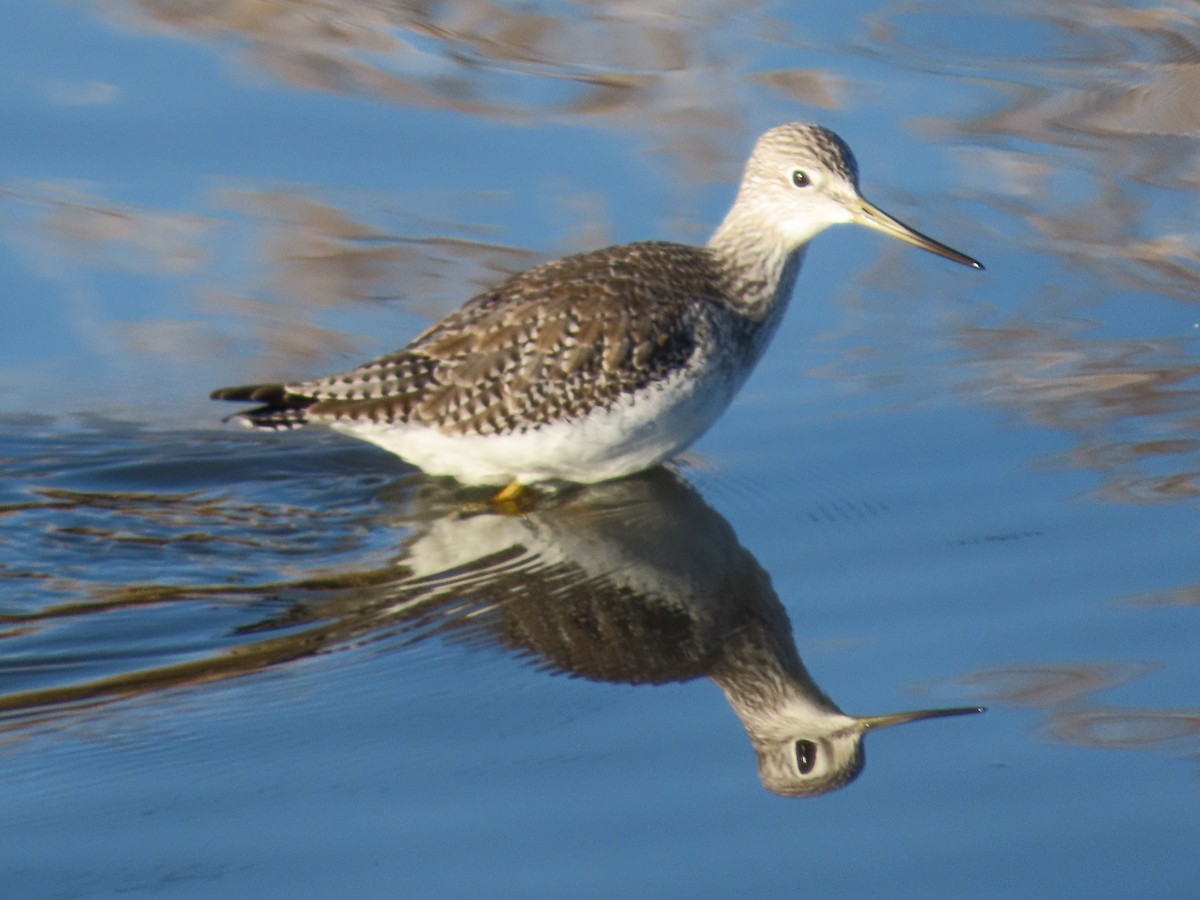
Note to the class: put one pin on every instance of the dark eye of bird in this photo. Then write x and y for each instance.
(806, 756)
(800, 178)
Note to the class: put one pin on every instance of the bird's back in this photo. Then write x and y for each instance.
(555, 342)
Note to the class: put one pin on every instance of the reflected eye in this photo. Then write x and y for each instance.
(800, 178)
(806, 756)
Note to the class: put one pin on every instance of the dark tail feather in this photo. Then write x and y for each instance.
(280, 410)
(271, 394)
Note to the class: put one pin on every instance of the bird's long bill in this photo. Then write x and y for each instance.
(876, 722)
(873, 217)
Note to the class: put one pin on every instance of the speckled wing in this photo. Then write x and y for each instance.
(552, 343)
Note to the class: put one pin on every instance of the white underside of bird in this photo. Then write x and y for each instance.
(636, 432)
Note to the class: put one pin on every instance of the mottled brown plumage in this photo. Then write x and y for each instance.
(555, 342)
(551, 343)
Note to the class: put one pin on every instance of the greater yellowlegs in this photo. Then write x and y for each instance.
(605, 363)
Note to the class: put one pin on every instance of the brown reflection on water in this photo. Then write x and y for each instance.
(1123, 728)
(1052, 686)
(1063, 694)
(636, 582)
(1087, 165)
(319, 255)
(649, 65)
(1188, 595)
(1130, 405)
(61, 225)
(310, 255)
(315, 256)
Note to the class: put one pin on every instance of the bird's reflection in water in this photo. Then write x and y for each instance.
(637, 581)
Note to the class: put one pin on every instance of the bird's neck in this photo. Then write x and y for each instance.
(766, 683)
(760, 273)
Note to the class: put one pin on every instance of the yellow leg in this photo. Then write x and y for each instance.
(514, 500)
(512, 493)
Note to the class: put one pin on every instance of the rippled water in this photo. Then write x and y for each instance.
(244, 665)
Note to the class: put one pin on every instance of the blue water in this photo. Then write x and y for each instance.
(290, 665)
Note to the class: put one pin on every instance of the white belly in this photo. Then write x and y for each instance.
(638, 432)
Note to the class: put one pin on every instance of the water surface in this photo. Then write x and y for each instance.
(236, 664)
